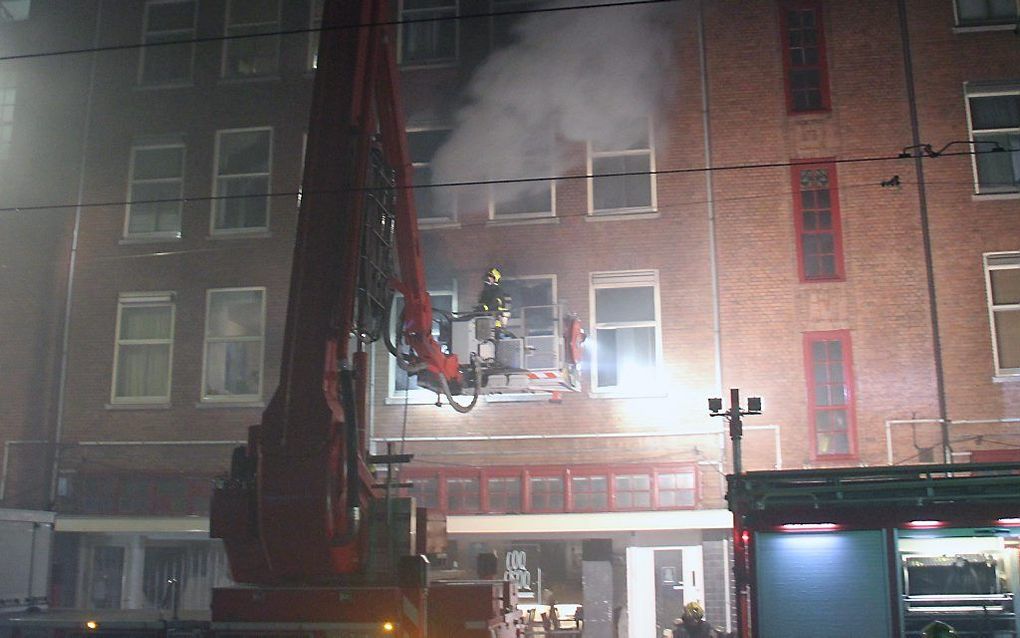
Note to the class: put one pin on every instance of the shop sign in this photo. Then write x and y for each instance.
(517, 570)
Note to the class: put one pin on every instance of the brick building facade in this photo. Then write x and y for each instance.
(792, 208)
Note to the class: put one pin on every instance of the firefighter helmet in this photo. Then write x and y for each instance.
(494, 273)
(938, 629)
(694, 611)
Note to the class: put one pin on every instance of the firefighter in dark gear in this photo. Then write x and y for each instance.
(692, 624)
(492, 300)
(938, 629)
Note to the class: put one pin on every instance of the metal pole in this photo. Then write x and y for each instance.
(736, 429)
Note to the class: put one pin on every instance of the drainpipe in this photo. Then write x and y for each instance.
(710, 208)
(922, 197)
(58, 429)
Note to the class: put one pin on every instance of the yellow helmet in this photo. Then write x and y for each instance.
(938, 629)
(694, 611)
(494, 273)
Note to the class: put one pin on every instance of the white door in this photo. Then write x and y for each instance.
(660, 581)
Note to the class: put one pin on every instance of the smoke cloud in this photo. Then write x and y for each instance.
(585, 74)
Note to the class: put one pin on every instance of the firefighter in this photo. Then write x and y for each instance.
(492, 299)
(692, 623)
(938, 629)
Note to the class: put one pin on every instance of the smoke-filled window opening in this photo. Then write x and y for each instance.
(428, 31)
(433, 204)
(503, 27)
(245, 57)
(621, 167)
(994, 121)
(155, 190)
(975, 13)
(167, 21)
(234, 344)
(143, 351)
(627, 348)
(243, 166)
(401, 386)
(1002, 276)
(527, 199)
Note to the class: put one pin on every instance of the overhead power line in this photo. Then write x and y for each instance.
(523, 180)
(342, 27)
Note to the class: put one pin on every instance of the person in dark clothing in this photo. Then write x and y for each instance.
(692, 624)
(493, 300)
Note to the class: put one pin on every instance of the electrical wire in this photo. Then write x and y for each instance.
(342, 27)
(490, 182)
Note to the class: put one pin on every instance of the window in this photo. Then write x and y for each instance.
(8, 95)
(1002, 278)
(247, 57)
(242, 180)
(807, 78)
(632, 491)
(403, 387)
(504, 494)
(816, 209)
(143, 349)
(14, 10)
(234, 336)
(674, 489)
(522, 200)
(546, 493)
(167, 21)
(986, 12)
(463, 494)
(314, 36)
(627, 351)
(625, 164)
(432, 204)
(155, 191)
(428, 31)
(425, 491)
(504, 26)
(995, 121)
(827, 364)
(533, 317)
(589, 493)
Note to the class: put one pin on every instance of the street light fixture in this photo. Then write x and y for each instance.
(732, 416)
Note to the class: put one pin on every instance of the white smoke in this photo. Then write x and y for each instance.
(576, 75)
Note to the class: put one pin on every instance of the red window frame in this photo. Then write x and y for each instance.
(447, 495)
(819, 413)
(811, 8)
(809, 211)
(615, 492)
(588, 474)
(487, 504)
(529, 493)
(657, 489)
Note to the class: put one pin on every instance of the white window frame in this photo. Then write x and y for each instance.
(165, 234)
(267, 27)
(625, 279)
(977, 91)
(495, 216)
(316, 8)
(8, 104)
(216, 202)
(417, 396)
(444, 220)
(1000, 261)
(412, 14)
(991, 25)
(207, 340)
(136, 300)
(170, 34)
(649, 151)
